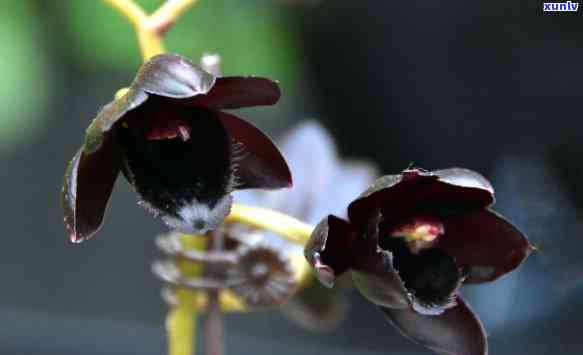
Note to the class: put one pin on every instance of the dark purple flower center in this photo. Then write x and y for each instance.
(174, 155)
(429, 275)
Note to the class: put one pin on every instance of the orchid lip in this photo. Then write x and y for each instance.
(430, 276)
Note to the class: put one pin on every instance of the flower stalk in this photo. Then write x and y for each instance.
(151, 28)
(166, 15)
(181, 320)
(286, 226)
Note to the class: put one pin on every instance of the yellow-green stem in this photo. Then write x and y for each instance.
(151, 43)
(262, 218)
(163, 18)
(150, 29)
(181, 320)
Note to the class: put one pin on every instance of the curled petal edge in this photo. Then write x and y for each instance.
(88, 184)
(238, 92)
(328, 250)
(258, 161)
(174, 76)
(458, 331)
(397, 193)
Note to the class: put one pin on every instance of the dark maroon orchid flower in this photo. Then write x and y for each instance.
(410, 243)
(181, 153)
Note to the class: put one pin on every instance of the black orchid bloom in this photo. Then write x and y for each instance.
(175, 146)
(410, 243)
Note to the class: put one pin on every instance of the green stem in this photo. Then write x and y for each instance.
(151, 28)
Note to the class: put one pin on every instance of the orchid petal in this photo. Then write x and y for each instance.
(458, 331)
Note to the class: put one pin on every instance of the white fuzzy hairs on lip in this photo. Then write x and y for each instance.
(199, 218)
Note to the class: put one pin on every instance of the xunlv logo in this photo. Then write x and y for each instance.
(560, 6)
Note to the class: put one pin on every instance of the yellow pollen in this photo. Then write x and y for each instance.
(423, 232)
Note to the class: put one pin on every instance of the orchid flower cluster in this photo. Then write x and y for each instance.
(407, 242)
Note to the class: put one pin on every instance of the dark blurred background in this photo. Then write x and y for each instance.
(494, 86)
